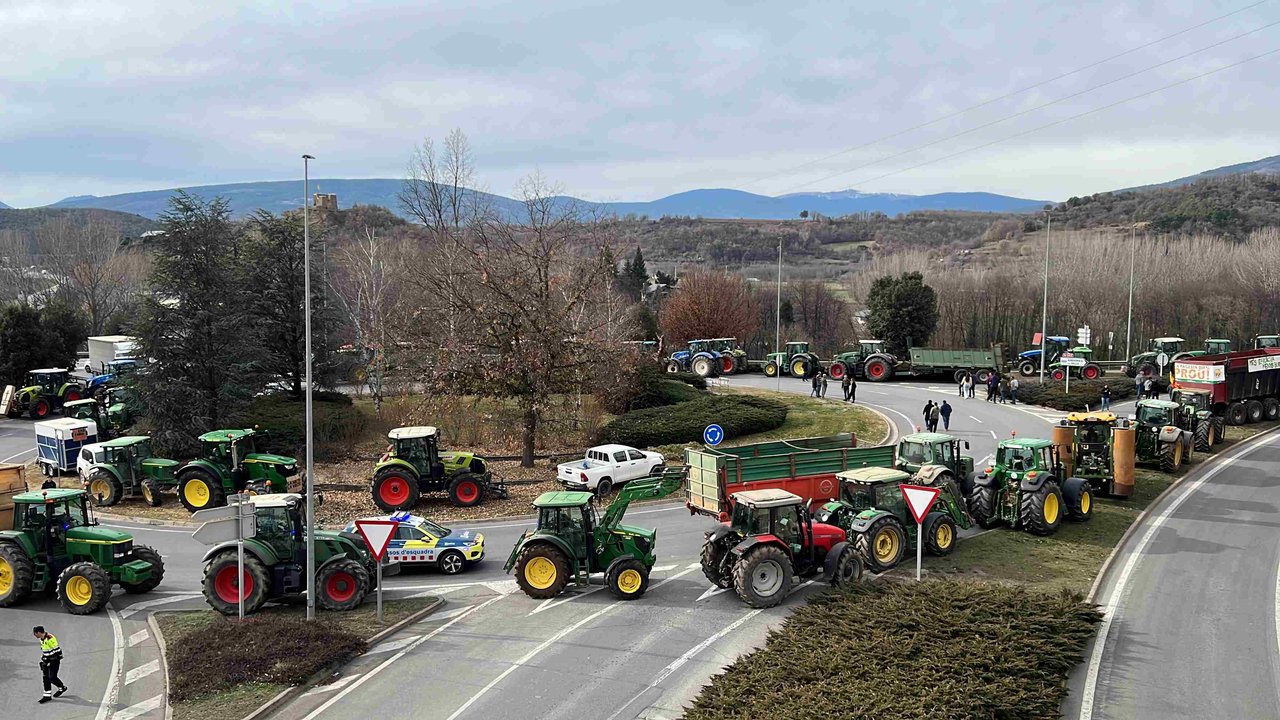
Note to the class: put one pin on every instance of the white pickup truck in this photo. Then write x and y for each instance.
(606, 466)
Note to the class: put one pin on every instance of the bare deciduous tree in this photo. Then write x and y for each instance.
(88, 263)
(368, 281)
(709, 303)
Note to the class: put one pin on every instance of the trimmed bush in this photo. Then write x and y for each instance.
(1085, 394)
(688, 378)
(684, 422)
(338, 424)
(644, 385)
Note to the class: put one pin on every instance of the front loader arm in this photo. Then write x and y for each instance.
(650, 488)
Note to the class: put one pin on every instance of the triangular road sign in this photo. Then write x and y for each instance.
(377, 535)
(919, 499)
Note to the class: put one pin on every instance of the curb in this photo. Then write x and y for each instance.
(164, 659)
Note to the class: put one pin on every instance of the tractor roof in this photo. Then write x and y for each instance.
(733, 339)
(225, 435)
(928, 437)
(1059, 338)
(46, 371)
(51, 495)
(411, 433)
(766, 498)
(1223, 340)
(126, 441)
(79, 403)
(275, 500)
(1162, 404)
(1028, 443)
(872, 475)
(1091, 417)
(562, 498)
(1168, 339)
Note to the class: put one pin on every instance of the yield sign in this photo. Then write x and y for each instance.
(377, 535)
(919, 499)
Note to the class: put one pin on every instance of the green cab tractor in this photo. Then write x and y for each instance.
(794, 360)
(414, 464)
(127, 469)
(229, 464)
(1165, 434)
(1025, 488)
(874, 513)
(732, 357)
(1265, 341)
(870, 361)
(55, 545)
(1087, 441)
(1207, 428)
(937, 459)
(1089, 371)
(1175, 348)
(572, 541)
(45, 391)
(275, 562)
(108, 410)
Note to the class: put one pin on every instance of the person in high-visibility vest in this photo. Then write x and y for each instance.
(50, 659)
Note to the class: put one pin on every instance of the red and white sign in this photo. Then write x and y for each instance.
(377, 535)
(1194, 372)
(919, 499)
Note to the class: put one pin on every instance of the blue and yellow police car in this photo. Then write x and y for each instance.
(418, 540)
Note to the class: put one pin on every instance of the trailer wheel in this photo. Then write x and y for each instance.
(1271, 408)
(763, 577)
(1237, 414)
(1253, 409)
(984, 376)
(939, 534)
(877, 370)
(958, 376)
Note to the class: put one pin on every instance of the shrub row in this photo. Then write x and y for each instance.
(338, 424)
(1085, 394)
(684, 422)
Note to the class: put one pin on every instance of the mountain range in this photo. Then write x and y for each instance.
(4, 207)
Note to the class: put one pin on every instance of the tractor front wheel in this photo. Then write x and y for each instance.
(939, 534)
(1147, 369)
(1079, 498)
(40, 409)
(763, 577)
(627, 578)
(845, 568)
(105, 489)
(877, 370)
(198, 490)
(341, 585)
(882, 545)
(1204, 436)
(702, 367)
(84, 588)
(726, 365)
(17, 574)
(1170, 455)
(713, 565)
(982, 505)
(673, 367)
(1041, 511)
(466, 490)
(542, 571)
(222, 591)
(153, 558)
(73, 394)
(1059, 374)
(771, 369)
(151, 492)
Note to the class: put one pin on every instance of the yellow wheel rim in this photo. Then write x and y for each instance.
(540, 573)
(943, 536)
(6, 576)
(1177, 455)
(146, 493)
(797, 368)
(886, 545)
(629, 581)
(1051, 508)
(100, 488)
(1086, 502)
(79, 590)
(197, 493)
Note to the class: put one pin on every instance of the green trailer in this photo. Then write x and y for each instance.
(805, 467)
(940, 361)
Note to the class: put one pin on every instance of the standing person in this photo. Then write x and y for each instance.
(961, 384)
(845, 385)
(1004, 391)
(935, 412)
(946, 416)
(823, 388)
(1137, 385)
(50, 660)
(853, 390)
(1147, 387)
(1013, 390)
(928, 406)
(816, 383)
(970, 385)
(1106, 397)
(991, 389)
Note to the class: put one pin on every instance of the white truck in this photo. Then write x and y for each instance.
(608, 465)
(104, 349)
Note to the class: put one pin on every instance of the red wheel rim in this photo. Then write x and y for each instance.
(837, 371)
(394, 490)
(468, 491)
(1090, 373)
(340, 586)
(726, 364)
(875, 370)
(1058, 375)
(73, 395)
(42, 408)
(224, 584)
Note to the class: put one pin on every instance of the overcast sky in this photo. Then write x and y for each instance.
(626, 100)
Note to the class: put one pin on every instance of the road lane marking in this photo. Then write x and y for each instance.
(139, 607)
(446, 614)
(386, 663)
(664, 568)
(692, 566)
(553, 602)
(138, 637)
(111, 692)
(976, 420)
(1113, 605)
(711, 592)
(141, 671)
(18, 455)
(993, 435)
(985, 458)
(141, 708)
(392, 645)
(551, 641)
(899, 413)
(335, 685)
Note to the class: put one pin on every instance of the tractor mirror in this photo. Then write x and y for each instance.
(966, 444)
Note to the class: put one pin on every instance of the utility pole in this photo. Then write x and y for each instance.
(1128, 331)
(306, 304)
(1044, 308)
(777, 331)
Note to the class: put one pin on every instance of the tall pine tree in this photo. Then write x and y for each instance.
(634, 277)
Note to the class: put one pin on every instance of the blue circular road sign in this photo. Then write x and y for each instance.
(713, 435)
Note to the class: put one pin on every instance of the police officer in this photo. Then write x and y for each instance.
(50, 659)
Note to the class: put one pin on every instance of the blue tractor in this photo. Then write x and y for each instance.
(699, 359)
(110, 372)
(1029, 361)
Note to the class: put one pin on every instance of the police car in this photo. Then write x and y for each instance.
(418, 540)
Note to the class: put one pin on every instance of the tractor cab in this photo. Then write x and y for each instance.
(570, 516)
(50, 380)
(1167, 345)
(797, 348)
(1217, 346)
(873, 487)
(419, 446)
(870, 347)
(700, 346)
(1266, 341)
(920, 449)
(781, 517)
(1156, 413)
(227, 447)
(1195, 400)
(1028, 457)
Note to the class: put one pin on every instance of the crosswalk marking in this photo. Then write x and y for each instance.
(141, 671)
(140, 709)
(138, 637)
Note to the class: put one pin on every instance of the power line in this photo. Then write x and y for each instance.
(1006, 96)
(1072, 117)
(1028, 111)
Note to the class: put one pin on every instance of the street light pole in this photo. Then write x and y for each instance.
(310, 487)
(1128, 331)
(777, 327)
(1044, 308)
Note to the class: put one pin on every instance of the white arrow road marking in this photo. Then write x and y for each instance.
(552, 602)
(138, 637)
(139, 607)
(141, 671)
(393, 645)
(335, 685)
(711, 592)
(141, 708)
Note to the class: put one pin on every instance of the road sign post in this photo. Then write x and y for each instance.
(1162, 359)
(377, 535)
(919, 500)
(1068, 361)
(236, 522)
(713, 435)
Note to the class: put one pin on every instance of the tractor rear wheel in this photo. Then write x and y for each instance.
(84, 588)
(726, 365)
(1271, 409)
(763, 577)
(702, 367)
(105, 489)
(542, 571)
(142, 552)
(1078, 495)
(1027, 368)
(771, 369)
(341, 585)
(712, 557)
(151, 492)
(1170, 456)
(1090, 372)
(1253, 410)
(1236, 414)
(198, 490)
(1204, 435)
(466, 489)
(801, 367)
(73, 394)
(882, 545)
(1219, 429)
(837, 370)
(877, 370)
(17, 574)
(627, 578)
(982, 506)
(395, 488)
(222, 591)
(939, 534)
(1041, 511)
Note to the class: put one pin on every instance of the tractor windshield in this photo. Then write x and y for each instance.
(1167, 346)
(1015, 458)
(859, 495)
(1195, 400)
(889, 497)
(796, 348)
(916, 453)
(870, 347)
(1267, 341)
(1153, 416)
(749, 520)
(697, 347)
(1094, 433)
(70, 513)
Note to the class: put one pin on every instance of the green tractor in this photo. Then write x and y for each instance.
(1174, 347)
(128, 469)
(732, 356)
(229, 464)
(1207, 427)
(794, 360)
(414, 464)
(870, 361)
(1089, 371)
(275, 562)
(874, 513)
(936, 458)
(1265, 341)
(1023, 489)
(108, 410)
(46, 390)
(1091, 440)
(572, 541)
(1165, 434)
(55, 545)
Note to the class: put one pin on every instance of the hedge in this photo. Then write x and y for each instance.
(1085, 394)
(684, 422)
(338, 424)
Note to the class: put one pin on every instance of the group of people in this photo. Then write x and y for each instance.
(934, 412)
(999, 388)
(847, 384)
(1146, 387)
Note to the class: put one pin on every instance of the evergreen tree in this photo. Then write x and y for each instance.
(634, 277)
(902, 309)
(21, 344)
(63, 329)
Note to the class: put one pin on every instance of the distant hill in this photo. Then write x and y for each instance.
(4, 207)
(25, 221)
(1266, 166)
(1226, 204)
(245, 198)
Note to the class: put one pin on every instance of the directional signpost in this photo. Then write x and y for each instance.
(1069, 361)
(919, 500)
(713, 435)
(224, 524)
(377, 535)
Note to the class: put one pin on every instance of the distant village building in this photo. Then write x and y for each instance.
(325, 201)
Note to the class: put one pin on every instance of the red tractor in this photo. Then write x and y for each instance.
(769, 542)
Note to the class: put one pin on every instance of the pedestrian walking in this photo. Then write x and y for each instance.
(816, 382)
(1106, 397)
(945, 411)
(50, 660)
(1004, 391)
(845, 385)
(928, 407)
(935, 413)
(1147, 388)
(991, 389)
(853, 390)
(823, 390)
(1013, 390)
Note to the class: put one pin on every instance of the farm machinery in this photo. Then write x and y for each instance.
(55, 545)
(1089, 371)
(700, 358)
(45, 391)
(870, 361)
(109, 409)
(1166, 435)
(1096, 448)
(572, 542)
(936, 458)
(1174, 347)
(414, 464)
(110, 374)
(1024, 488)
(128, 469)
(795, 359)
(1029, 360)
(733, 359)
(1207, 427)
(229, 464)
